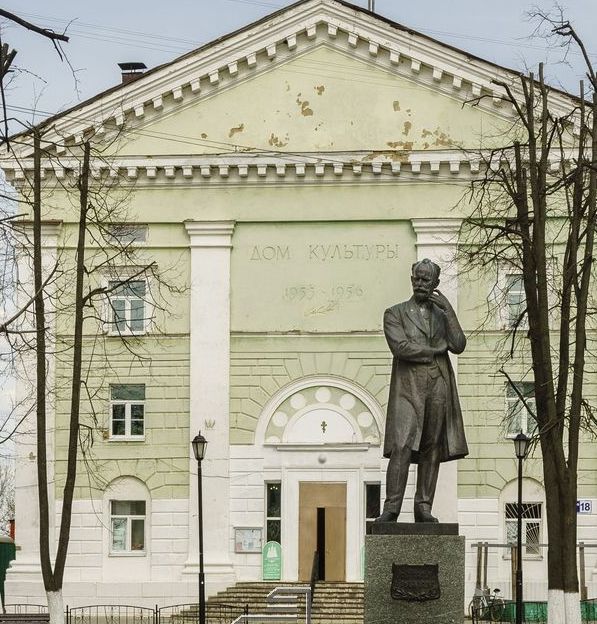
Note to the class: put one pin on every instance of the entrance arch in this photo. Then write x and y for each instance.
(321, 439)
(320, 410)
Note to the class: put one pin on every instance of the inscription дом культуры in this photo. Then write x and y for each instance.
(326, 253)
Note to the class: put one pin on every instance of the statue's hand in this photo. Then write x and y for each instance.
(440, 300)
(440, 348)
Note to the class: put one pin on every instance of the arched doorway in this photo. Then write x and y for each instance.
(322, 436)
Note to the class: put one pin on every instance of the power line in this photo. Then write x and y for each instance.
(291, 157)
(138, 37)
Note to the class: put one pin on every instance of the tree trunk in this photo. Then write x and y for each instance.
(55, 606)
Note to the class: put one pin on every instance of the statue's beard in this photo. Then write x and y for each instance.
(421, 296)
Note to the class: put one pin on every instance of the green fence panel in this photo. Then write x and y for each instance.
(588, 611)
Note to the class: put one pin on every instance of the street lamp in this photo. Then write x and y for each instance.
(199, 445)
(521, 445)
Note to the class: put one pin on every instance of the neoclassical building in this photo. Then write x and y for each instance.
(284, 178)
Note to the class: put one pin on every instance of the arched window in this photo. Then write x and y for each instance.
(127, 506)
(321, 411)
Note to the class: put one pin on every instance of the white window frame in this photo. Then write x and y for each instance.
(525, 521)
(367, 518)
(128, 233)
(111, 323)
(512, 310)
(273, 518)
(129, 518)
(525, 416)
(127, 403)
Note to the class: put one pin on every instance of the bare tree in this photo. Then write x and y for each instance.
(535, 210)
(96, 259)
(7, 496)
(7, 57)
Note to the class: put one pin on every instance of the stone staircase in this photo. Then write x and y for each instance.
(333, 603)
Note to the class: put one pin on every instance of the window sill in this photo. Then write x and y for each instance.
(126, 439)
(126, 334)
(128, 553)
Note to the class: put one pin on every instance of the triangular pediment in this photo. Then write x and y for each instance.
(322, 75)
(323, 100)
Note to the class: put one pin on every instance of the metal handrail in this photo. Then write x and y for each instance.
(279, 595)
(314, 574)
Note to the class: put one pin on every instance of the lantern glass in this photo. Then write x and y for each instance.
(199, 445)
(521, 445)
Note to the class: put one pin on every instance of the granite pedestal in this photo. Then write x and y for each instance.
(418, 544)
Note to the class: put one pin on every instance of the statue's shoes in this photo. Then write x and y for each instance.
(387, 516)
(424, 516)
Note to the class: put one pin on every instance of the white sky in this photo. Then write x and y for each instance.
(105, 32)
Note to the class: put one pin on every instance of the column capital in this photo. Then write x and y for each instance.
(437, 231)
(210, 233)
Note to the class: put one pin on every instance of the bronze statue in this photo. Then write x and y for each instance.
(424, 422)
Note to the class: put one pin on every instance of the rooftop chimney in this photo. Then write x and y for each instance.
(131, 71)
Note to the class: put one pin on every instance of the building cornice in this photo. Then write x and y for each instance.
(239, 168)
(284, 35)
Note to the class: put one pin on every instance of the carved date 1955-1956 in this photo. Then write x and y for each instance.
(337, 292)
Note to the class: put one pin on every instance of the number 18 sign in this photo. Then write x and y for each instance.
(584, 506)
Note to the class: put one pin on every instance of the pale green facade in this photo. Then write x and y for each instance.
(324, 157)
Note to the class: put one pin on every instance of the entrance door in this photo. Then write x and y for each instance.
(322, 528)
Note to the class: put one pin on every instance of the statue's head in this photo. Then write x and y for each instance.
(424, 279)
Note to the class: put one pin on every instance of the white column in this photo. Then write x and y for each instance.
(23, 581)
(437, 240)
(210, 243)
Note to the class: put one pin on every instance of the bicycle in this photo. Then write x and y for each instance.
(486, 607)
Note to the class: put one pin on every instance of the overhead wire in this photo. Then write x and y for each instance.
(290, 156)
(184, 43)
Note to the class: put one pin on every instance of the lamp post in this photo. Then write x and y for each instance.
(521, 445)
(199, 445)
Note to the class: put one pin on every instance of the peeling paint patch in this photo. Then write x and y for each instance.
(396, 105)
(304, 105)
(275, 141)
(236, 130)
(440, 139)
(203, 135)
(405, 145)
(407, 126)
(408, 112)
(395, 155)
(320, 89)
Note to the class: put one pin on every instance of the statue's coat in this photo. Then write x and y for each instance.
(410, 341)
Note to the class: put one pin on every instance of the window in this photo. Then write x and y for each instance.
(273, 506)
(518, 416)
(127, 411)
(531, 527)
(372, 501)
(127, 233)
(128, 307)
(515, 300)
(127, 521)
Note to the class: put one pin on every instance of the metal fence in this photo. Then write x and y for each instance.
(216, 613)
(504, 612)
(111, 614)
(25, 609)
(496, 567)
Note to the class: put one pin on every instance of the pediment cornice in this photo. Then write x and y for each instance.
(247, 168)
(239, 56)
